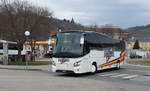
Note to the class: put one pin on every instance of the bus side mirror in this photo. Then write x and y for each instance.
(82, 40)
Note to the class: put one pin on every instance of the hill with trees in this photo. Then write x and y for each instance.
(139, 31)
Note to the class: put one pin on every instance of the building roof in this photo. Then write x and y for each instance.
(141, 39)
(110, 30)
(54, 32)
(109, 26)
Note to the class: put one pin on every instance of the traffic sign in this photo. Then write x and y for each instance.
(5, 53)
(5, 44)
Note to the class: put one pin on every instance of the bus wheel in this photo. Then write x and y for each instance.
(118, 65)
(93, 68)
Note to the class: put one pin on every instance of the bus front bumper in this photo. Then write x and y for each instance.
(76, 70)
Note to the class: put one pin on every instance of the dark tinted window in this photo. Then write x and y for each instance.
(1, 45)
(12, 46)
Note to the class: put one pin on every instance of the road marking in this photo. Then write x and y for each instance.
(110, 74)
(115, 75)
(130, 77)
(120, 75)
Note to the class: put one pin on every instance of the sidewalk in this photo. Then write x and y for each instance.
(136, 59)
(30, 68)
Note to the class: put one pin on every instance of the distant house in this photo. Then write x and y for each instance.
(113, 31)
(143, 42)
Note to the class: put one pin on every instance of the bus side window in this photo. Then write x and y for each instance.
(1, 45)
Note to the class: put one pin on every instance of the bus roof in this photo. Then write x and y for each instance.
(95, 37)
(4, 41)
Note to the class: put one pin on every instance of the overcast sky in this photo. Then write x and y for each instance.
(122, 13)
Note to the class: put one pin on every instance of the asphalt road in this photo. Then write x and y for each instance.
(128, 78)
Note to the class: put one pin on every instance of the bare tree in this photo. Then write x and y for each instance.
(23, 16)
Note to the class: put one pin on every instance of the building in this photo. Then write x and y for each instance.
(113, 31)
(39, 48)
(144, 43)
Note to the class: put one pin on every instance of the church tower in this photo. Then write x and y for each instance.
(72, 21)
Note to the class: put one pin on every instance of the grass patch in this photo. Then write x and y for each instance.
(146, 63)
(34, 63)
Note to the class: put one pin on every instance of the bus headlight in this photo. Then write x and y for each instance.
(76, 64)
(53, 63)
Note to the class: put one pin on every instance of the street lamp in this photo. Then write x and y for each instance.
(27, 34)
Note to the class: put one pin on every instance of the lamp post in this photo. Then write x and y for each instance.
(27, 34)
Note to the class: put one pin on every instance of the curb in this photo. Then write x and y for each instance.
(30, 68)
(21, 69)
(138, 65)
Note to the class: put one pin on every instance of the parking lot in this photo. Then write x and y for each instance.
(18, 80)
(128, 78)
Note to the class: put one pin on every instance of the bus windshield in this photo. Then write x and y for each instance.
(68, 45)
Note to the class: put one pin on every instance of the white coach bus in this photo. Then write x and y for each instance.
(82, 52)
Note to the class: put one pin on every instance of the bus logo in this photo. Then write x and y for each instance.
(107, 58)
(63, 60)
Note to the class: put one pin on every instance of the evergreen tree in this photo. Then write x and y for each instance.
(136, 45)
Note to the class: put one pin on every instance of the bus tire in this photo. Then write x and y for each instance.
(118, 65)
(94, 67)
